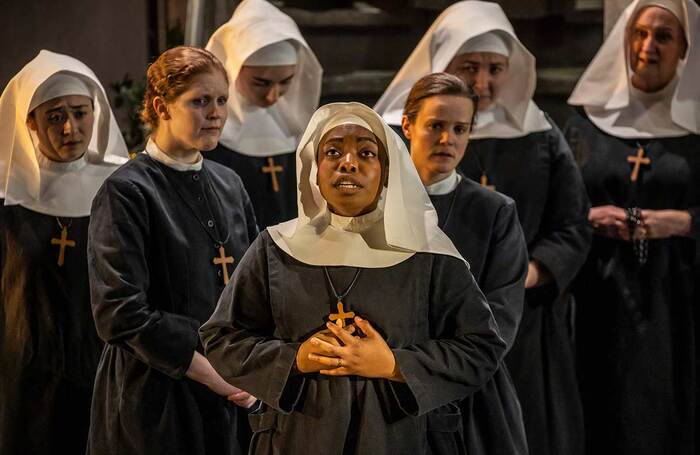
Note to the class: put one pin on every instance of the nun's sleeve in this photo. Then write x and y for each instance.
(565, 235)
(239, 337)
(119, 280)
(465, 348)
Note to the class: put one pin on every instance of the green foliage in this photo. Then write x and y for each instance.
(127, 101)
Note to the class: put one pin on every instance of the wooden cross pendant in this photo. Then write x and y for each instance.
(273, 169)
(485, 182)
(340, 317)
(638, 160)
(223, 260)
(63, 242)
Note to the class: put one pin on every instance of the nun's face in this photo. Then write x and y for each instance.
(656, 43)
(351, 169)
(486, 72)
(439, 135)
(263, 85)
(63, 126)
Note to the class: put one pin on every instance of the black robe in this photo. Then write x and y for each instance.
(271, 207)
(635, 331)
(49, 348)
(153, 284)
(484, 227)
(428, 308)
(538, 171)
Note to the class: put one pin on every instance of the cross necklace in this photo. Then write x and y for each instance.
(340, 317)
(273, 169)
(637, 161)
(484, 180)
(221, 260)
(63, 242)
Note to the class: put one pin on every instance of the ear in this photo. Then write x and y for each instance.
(161, 108)
(31, 122)
(406, 127)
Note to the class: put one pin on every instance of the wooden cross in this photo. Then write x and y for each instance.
(485, 182)
(272, 169)
(341, 315)
(63, 242)
(638, 160)
(223, 260)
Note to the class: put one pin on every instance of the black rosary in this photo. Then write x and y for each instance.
(640, 246)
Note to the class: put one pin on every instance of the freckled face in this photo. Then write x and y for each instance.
(63, 126)
(485, 72)
(352, 168)
(195, 118)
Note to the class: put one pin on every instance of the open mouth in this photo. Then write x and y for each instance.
(347, 185)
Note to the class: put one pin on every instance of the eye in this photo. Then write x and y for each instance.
(79, 114)
(496, 69)
(200, 102)
(368, 154)
(221, 100)
(663, 37)
(460, 129)
(56, 118)
(332, 152)
(261, 83)
(435, 126)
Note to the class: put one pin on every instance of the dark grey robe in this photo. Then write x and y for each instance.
(428, 308)
(484, 227)
(271, 207)
(538, 171)
(153, 284)
(49, 348)
(635, 330)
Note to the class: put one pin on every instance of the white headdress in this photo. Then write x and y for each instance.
(618, 108)
(28, 177)
(447, 37)
(260, 32)
(404, 223)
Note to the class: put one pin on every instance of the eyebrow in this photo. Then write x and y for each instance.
(360, 138)
(262, 79)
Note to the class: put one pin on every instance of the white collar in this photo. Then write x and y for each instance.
(157, 154)
(444, 186)
(45, 163)
(356, 223)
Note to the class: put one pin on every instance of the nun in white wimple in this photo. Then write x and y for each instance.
(358, 324)
(58, 142)
(275, 88)
(517, 150)
(635, 133)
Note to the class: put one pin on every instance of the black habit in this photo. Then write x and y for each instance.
(271, 185)
(153, 284)
(538, 171)
(484, 227)
(49, 348)
(635, 333)
(429, 309)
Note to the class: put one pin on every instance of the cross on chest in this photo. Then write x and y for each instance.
(485, 182)
(340, 317)
(63, 242)
(638, 160)
(223, 261)
(273, 169)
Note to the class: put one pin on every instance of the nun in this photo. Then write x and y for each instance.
(275, 88)
(358, 324)
(635, 133)
(58, 143)
(516, 149)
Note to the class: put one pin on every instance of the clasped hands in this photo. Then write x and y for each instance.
(338, 351)
(611, 221)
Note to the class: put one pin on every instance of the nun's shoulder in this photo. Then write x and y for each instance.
(484, 198)
(223, 175)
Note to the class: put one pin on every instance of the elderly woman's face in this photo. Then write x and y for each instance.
(63, 126)
(656, 43)
(351, 169)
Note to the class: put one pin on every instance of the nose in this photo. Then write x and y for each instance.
(70, 126)
(648, 44)
(217, 111)
(482, 81)
(273, 94)
(348, 164)
(447, 137)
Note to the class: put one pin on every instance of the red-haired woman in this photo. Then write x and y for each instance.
(166, 231)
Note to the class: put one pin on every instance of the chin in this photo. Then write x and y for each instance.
(208, 145)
